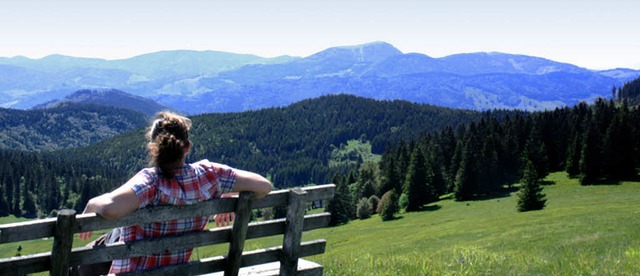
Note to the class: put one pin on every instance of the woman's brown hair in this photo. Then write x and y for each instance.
(168, 141)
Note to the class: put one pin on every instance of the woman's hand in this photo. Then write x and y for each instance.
(224, 219)
(86, 235)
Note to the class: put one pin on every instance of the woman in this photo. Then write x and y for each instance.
(171, 182)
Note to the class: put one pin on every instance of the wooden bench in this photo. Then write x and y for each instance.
(283, 260)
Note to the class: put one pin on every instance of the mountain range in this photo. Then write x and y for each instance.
(195, 82)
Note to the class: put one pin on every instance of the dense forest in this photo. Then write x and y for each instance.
(292, 145)
(67, 125)
(598, 144)
(426, 152)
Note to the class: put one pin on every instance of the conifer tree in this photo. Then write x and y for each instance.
(530, 196)
(338, 205)
(572, 166)
(415, 186)
(591, 156)
(4, 206)
(536, 152)
(391, 176)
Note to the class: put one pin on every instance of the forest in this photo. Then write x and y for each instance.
(426, 152)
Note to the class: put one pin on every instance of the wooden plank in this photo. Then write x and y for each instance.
(277, 198)
(293, 233)
(250, 258)
(42, 228)
(62, 242)
(27, 230)
(26, 264)
(239, 234)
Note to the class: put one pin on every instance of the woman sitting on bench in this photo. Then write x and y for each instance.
(171, 181)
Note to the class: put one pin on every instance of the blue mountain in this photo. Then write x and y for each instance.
(209, 81)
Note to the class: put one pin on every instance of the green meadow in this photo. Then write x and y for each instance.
(584, 230)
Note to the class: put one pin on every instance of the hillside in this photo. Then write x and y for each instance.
(208, 81)
(65, 126)
(290, 144)
(109, 97)
(583, 230)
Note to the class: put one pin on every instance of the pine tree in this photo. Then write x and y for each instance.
(591, 156)
(338, 205)
(572, 166)
(4, 206)
(414, 185)
(536, 152)
(530, 196)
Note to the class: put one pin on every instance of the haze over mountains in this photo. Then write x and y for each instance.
(202, 82)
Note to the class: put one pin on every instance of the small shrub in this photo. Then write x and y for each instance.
(388, 205)
(404, 201)
(363, 209)
(373, 203)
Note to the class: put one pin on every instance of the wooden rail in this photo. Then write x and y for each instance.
(62, 229)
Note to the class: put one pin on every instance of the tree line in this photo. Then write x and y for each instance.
(598, 143)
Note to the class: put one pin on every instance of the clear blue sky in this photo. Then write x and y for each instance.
(592, 34)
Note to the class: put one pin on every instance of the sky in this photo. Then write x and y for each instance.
(589, 33)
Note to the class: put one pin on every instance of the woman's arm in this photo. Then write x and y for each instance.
(112, 206)
(251, 182)
(115, 204)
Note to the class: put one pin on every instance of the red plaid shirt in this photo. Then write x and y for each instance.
(194, 183)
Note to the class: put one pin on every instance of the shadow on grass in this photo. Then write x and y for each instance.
(395, 218)
(432, 207)
(547, 183)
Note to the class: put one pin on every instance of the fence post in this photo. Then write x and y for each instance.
(62, 242)
(293, 232)
(239, 233)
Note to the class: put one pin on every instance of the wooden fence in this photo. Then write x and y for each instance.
(67, 223)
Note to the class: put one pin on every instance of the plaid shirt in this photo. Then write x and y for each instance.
(194, 183)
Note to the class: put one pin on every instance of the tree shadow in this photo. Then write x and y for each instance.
(547, 182)
(607, 182)
(431, 207)
(395, 218)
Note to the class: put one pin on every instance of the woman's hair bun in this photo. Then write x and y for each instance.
(168, 141)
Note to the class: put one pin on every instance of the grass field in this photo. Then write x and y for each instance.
(592, 230)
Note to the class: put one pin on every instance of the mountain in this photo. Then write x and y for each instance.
(110, 97)
(25, 82)
(64, 126)
(292, 144)
(197, 82)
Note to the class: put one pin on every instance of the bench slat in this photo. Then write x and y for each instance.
(249, 258)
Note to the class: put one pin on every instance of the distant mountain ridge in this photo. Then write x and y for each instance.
(197, 82)
(65, 126)
(109, 97)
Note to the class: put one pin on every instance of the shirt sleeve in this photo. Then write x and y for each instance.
(143, 185)
(226, 177)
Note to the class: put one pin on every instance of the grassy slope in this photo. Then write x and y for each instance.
(582, 231)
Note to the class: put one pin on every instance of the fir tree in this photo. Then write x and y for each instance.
(591, 156)
(530, 196)
(417, 191)
(338, 205)
(4, 206)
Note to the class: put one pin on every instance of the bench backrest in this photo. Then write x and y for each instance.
(67, 223)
